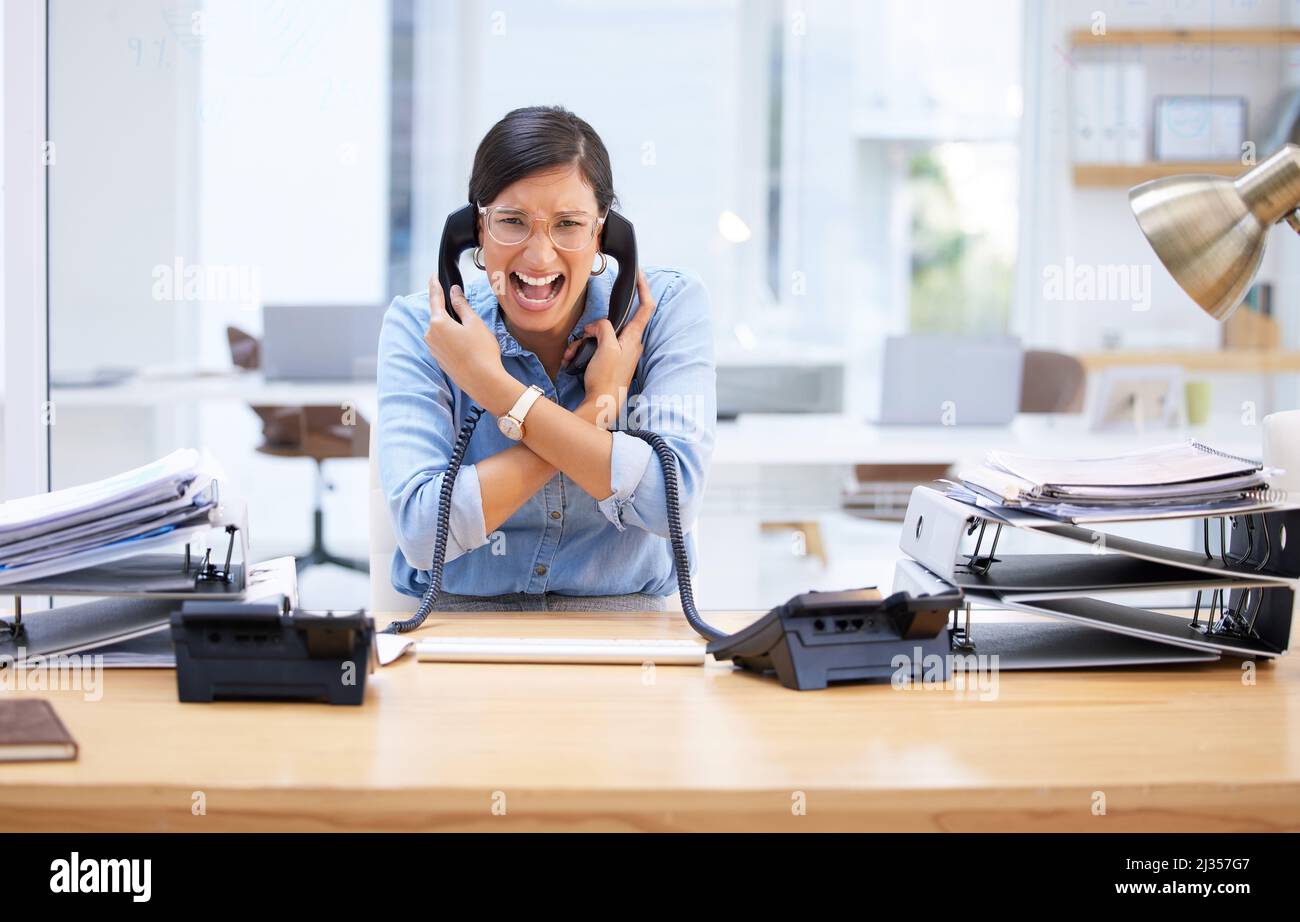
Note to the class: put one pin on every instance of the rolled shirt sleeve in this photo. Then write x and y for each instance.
(676, 399)
(416, 432)
(629, 457)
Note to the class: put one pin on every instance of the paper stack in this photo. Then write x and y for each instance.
(1167, 482)
(159, 505)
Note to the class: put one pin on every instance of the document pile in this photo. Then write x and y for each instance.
(1167, 482)
(159, 505)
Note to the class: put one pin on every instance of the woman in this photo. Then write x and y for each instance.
(572, 516)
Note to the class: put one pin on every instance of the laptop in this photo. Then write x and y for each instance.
(321, 342)
(943, 380)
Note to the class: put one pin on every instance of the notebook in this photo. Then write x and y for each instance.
(1145, 471)
(1172, 480)
(30, 731)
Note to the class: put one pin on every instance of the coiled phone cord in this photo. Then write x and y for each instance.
(667, 461)
(444, 525)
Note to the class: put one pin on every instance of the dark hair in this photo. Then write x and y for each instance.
(537, 138)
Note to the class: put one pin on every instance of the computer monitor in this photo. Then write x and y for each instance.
(943, 380)
(321, 342)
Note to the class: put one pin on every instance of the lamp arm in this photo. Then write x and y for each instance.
(1272, 189)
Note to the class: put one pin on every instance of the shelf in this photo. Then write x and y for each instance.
(1223, 361)
(1130, 174)
(1082, 38)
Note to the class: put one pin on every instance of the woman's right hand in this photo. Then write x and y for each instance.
(610, 371)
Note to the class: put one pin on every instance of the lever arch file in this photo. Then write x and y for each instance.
(1244, 583)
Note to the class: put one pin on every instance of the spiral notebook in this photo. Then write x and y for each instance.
(1188, 462)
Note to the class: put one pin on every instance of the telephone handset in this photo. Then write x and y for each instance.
(617, 239)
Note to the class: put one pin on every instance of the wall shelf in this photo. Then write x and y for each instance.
(1130, 174)
(1224, 361)
(1082, 38)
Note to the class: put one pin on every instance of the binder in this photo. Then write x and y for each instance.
(1133, 130)
(1087, 113)
(1245, 583)
(1112, 116)
(1098, 95)
(134, 596)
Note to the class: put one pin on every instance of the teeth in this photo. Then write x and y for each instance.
(541, 281)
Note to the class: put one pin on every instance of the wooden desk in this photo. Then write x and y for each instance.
(435, 747)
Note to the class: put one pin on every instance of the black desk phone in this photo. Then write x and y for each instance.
(789, 640)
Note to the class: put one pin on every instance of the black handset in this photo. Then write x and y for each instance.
(617, 239)
(459, 234)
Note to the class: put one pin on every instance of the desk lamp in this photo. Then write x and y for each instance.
(1209, 231)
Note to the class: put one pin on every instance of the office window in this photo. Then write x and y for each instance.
(963, 229)
(938, 99)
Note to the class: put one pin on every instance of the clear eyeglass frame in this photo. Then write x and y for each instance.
(490, 211)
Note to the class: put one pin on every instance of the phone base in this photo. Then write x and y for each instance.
(823, 638)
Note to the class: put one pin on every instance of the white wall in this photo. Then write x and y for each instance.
(122, 97)
(122, 100)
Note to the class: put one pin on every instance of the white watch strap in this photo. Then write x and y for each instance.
(525, 403)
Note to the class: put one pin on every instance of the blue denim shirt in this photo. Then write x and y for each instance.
(561, 540)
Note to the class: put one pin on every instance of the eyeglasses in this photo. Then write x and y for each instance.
(568, 230)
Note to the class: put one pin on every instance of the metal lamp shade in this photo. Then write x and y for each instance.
(1210, 231)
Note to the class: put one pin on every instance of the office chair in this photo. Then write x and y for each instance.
(316, 432)
(1053, 382)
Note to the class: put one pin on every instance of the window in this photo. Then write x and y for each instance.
(963, 237)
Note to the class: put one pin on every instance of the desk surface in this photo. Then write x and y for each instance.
(165, 389)
(611, 747)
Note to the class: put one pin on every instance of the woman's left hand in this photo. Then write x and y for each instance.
(467, 351)
(609, 374)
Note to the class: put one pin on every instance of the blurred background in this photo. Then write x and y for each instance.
(911, 216)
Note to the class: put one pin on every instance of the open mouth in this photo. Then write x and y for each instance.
(536, 292)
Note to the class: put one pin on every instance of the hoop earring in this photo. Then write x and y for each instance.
(478, 258)
(604, 264)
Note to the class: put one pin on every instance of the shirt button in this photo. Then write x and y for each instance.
(539, 570)
(555, 514)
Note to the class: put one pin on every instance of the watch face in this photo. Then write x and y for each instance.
(510, 429)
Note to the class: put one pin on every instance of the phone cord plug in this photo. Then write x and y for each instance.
(444, 525)
(668, 462)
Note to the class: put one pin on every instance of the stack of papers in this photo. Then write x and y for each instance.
(1170, 481)
(164, 503)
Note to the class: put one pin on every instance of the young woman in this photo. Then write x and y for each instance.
(572, 515)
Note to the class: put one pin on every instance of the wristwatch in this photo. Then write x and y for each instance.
(512, 424)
